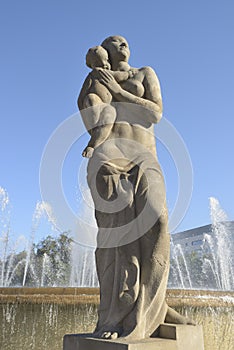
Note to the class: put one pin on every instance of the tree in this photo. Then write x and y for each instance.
(52, 258)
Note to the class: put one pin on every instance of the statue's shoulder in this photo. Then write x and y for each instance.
(84, 90)
(88, 82)
(147, 70)
(150, 76)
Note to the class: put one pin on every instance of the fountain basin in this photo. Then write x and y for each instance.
(38, 318)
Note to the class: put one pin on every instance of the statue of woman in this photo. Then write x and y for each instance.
(127, 186)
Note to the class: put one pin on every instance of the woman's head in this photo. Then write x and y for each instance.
(117, 48)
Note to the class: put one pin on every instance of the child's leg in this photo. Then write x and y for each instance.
(102, 129)
(92, 114)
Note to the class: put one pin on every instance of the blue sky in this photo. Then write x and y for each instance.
(188, 43)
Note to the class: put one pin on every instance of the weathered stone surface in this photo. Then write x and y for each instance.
(187, 337)
(170, 337)
(76, 343)
(127, 187)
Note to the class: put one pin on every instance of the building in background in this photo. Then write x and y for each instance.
(194, 240)
(203, 257)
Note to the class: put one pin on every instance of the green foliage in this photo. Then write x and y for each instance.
(48, 263)
(198, 277)
(52, 257)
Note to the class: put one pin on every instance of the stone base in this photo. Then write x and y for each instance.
(169, 337)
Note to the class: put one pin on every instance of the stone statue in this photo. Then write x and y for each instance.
(98, 96)
(119, 106)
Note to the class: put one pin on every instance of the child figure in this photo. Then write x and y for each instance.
(103, 115)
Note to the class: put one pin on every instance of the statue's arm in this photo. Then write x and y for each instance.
(153, 91)
(152, 100)
(120, 76)
(84, 92)
(85, 114)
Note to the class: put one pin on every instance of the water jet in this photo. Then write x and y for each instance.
(39, 317)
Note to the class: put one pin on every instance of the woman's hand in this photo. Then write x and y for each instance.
(108, 80)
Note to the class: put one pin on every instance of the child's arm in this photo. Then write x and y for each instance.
(121, 75)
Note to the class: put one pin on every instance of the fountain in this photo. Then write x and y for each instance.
(35, 318)
(221, 263)
(214, 261)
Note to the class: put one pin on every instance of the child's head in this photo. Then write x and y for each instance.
(97, 56)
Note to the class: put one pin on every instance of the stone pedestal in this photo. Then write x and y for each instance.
(169, 337)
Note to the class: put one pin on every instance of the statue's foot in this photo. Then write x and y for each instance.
(107, 334)
(173, 316)
(88, 152)
(110, 335)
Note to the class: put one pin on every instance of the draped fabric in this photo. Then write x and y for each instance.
(132, 255)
